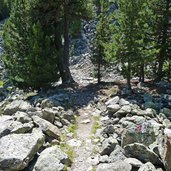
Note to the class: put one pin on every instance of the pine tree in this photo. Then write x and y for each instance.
(163, 35)
(102, 34)
(30, 56)
(62, 13)
(131, 44)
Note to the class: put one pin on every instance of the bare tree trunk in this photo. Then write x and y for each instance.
(129, 76)
(66, 74)
(142, 73)
(99, 65)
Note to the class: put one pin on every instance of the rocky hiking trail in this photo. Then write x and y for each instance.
(85, 148)
(87, 128)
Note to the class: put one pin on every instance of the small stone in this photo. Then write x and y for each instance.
(123, 102)
(74, 143)
(86, 121)
(117, 166)
(93, 160)
(104, 159)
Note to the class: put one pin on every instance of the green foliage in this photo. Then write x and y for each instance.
(30, 55)
(102, 35)
(72, 129)
(68, 150)
(131, 44)
(96, 125)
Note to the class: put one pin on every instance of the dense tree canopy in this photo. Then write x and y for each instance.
(134, 34)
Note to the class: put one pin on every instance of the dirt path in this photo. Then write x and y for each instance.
(84, 150)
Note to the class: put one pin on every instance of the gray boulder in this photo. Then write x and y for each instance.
(17, 105)
(147, 167)
(113, 108)
(165, 149)
(140, 133)
(9, 125)
(108, 146)
(5, 125)
(17, 150)
(123, 111)
(167, 112)
(123, 102)
(117, 155)
(112, 101)
(48, 128)
(22, 117)
(52, 159)
(142, 153)
(134, 162)
(117, 166)
(49, 114)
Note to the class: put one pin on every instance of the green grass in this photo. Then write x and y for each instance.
(94, 169)
(72, 129)
(68, 150)
(96, 124)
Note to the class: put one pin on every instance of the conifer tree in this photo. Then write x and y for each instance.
(130, 44)
(30, 56)
(62, 14)
(102, 34)
(163, 35)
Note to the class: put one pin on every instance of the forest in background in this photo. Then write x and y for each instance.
(135, 35)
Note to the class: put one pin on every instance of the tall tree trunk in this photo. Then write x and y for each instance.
(129, 76)
(66, 74)
(99, 65)
(142, 73)
(58, 46)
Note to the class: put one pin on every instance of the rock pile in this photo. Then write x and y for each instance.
(132, 138)
(30, 134)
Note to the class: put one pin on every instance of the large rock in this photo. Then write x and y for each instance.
(108, 146)
(142, 153)
(167, 112)
(9, 125)
(113, 108)
(134, 162)
(49, 114)
(17, 105)
(140, 133)
(113, 101)
(47, 127)
(5, 125)
(123, 111)
(54, 101)
(147, 167)
(68, 115)
(17, 150)
(22, 117)
(117, 155)
(52, 159)
(166, 150)
(117, 166)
